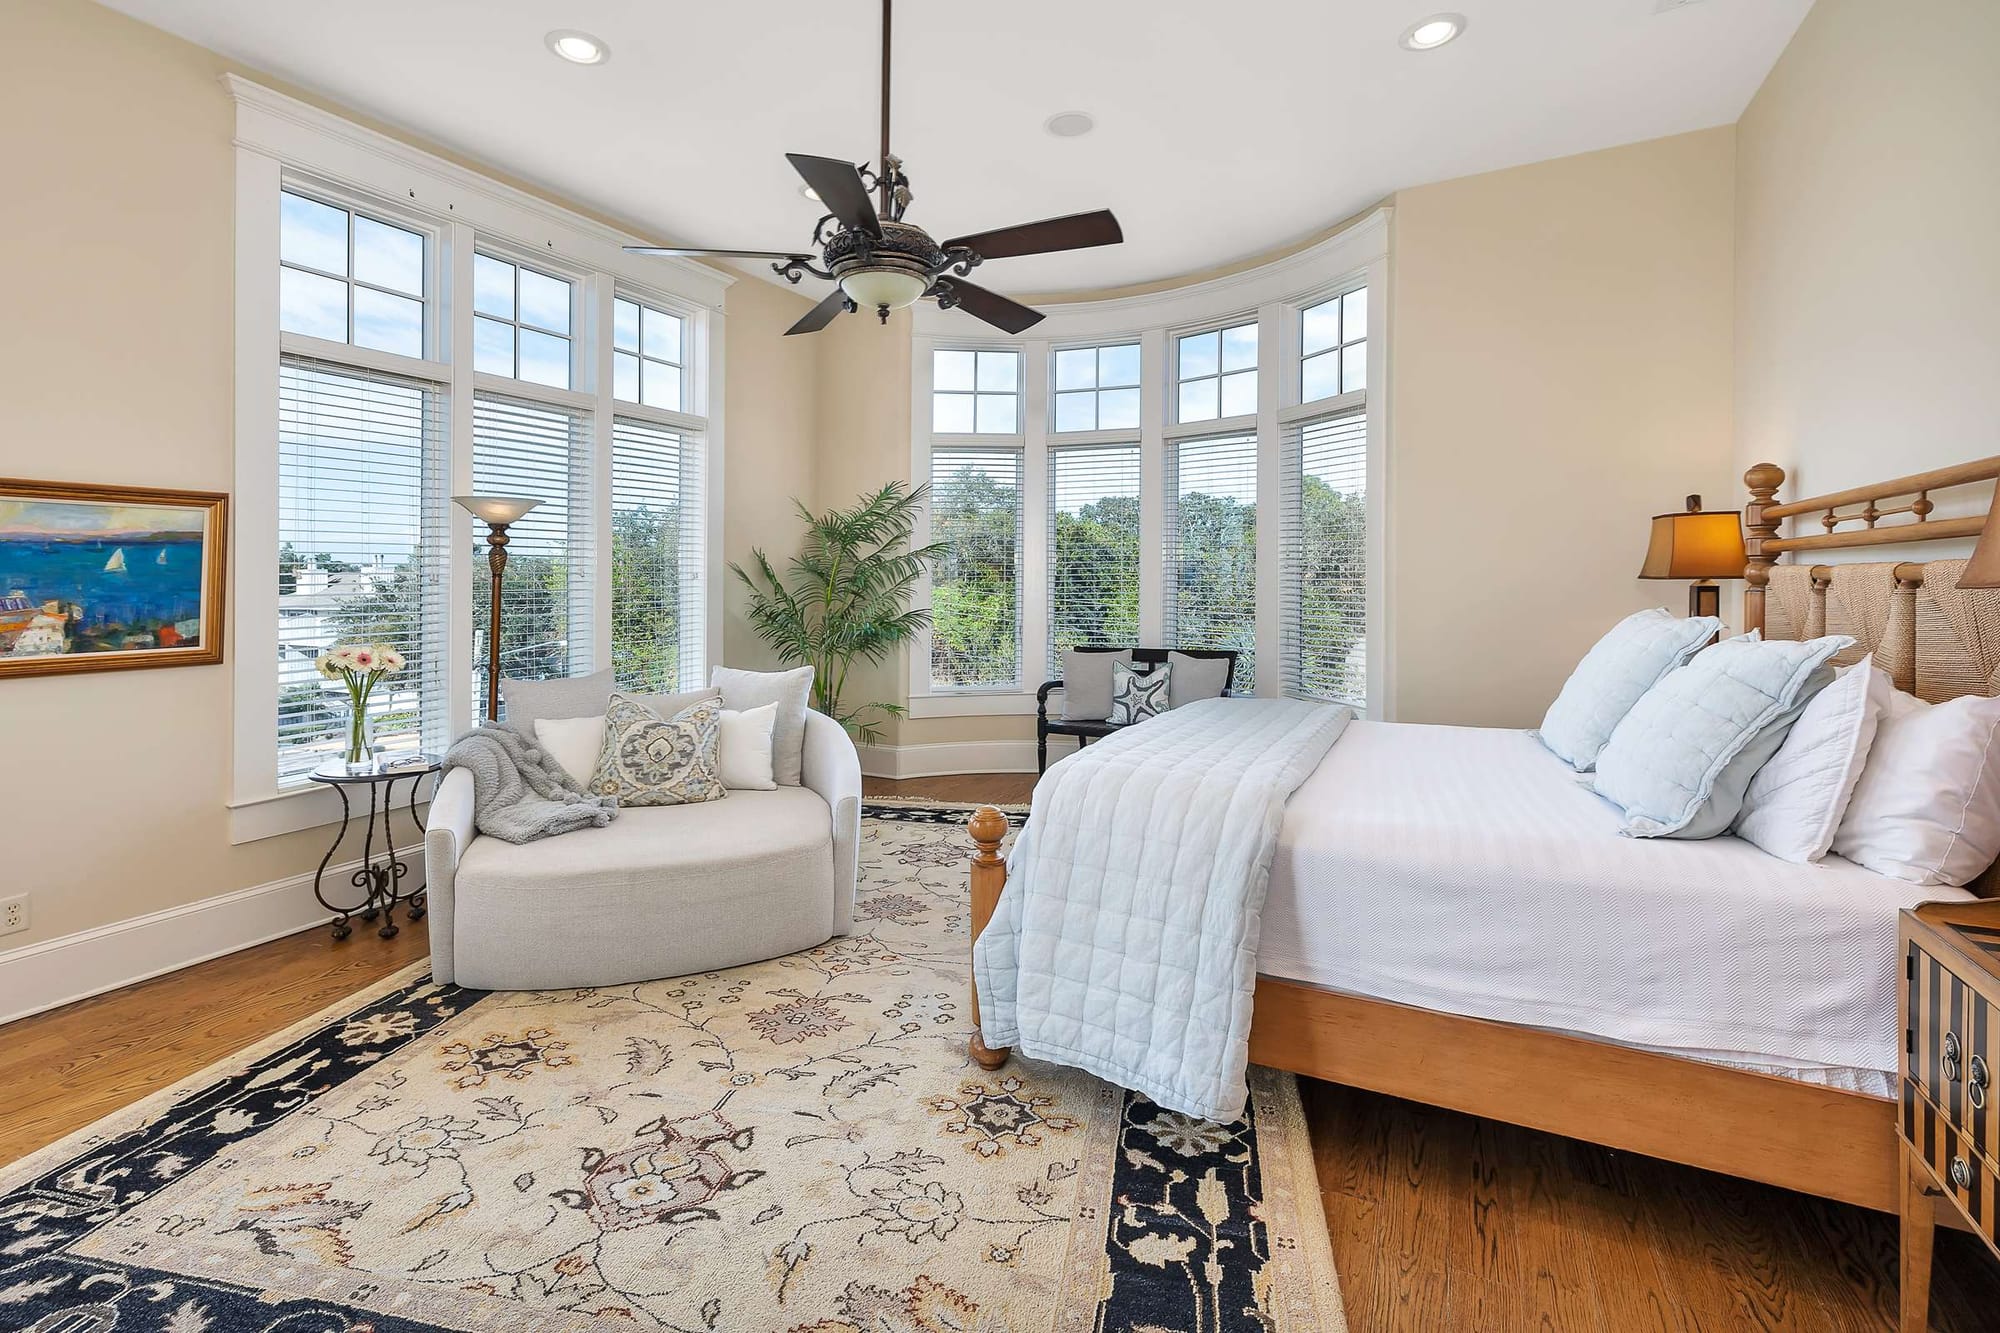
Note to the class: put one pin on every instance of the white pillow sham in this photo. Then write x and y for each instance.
(1927, 807)
(573, 742)
(1794, 805)
(744, 752)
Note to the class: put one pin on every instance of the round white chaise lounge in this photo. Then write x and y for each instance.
(660, 891)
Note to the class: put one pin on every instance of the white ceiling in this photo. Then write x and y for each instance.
(1224, 127)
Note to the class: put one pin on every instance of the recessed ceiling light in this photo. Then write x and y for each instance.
(810, 193)
(1070, 124)
(1431, 33)
(579, 48)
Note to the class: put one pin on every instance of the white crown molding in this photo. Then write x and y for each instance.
(1347, 253)
(308, 138)
(51, 973)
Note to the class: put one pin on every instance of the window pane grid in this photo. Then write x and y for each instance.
(1211, 549)
(1215, 373)
(521, 448)
(346, 277)
(1333, 346)
(975, 393)
(975, 504)
(1093, 548)
(361, 555)
(1096, 388)
(648, 355)
(521, 323)
(657, 630)
(1324, 553)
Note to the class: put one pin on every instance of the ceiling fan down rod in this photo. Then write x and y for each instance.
(885, 180)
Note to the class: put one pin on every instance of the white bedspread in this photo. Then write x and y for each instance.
(1466, 870)
(1125, 942)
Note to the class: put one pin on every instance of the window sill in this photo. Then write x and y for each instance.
(997, 703)
(307, 808)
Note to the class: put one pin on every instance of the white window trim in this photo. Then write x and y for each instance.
(1273, 294)
(280, 140)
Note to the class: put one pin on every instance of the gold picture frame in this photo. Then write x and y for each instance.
(110, 578)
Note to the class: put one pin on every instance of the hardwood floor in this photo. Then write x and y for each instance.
(1439, 1220)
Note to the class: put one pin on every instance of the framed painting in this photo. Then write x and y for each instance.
(109, 578)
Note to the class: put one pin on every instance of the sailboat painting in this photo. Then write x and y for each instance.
(97, 578)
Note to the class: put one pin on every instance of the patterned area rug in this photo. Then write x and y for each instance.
(798, 1146)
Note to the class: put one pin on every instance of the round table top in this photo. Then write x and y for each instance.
(384, 768)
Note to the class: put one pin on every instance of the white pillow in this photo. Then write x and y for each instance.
(744, 753)
(1927, 808)
(573, 742)
(1796, 801)
(1614, 675)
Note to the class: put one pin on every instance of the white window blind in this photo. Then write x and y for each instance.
(1093, 548)
(531, 449)
(361, 554)
(975, 507)
(657, 628)
(1324, 558)
(1211, 556)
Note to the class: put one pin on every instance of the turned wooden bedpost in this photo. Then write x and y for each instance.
(989, 875)
(1763, 479)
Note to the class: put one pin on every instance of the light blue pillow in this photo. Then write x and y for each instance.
(1613, 675)
(1680, 761)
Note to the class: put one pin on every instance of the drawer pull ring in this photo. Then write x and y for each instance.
(1977, 1084)
(1949, 1068)
(1976, 1093)
(1961, 1173)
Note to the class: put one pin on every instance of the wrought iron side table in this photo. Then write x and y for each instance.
(379, 880)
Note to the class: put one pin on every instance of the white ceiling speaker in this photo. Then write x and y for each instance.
(1070, 124)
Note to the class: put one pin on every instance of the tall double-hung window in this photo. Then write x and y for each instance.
(975, 511)
(1324, 535)
(572, 391)
(1094, 482)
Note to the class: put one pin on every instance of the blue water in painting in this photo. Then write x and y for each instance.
(144, 591)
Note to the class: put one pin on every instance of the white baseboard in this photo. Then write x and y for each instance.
(45, 975)
(947, 757)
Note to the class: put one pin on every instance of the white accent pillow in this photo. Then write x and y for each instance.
(1927, 808)
(1614, 675)
(1795, 803)
(792, 692)
(573, 742)
(745, 750)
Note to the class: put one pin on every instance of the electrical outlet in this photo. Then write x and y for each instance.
(13, 914)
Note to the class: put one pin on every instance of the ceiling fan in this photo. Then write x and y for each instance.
(883, 263)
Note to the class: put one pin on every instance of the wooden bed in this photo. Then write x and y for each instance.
(1935, 640)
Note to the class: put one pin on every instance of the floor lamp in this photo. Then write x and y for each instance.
(499, 511)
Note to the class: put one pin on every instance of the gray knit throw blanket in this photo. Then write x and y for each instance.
(519, 793)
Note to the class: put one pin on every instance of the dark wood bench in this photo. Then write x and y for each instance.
(1086, 732)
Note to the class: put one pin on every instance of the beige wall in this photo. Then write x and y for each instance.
(115, 366)
(1560, 368)
(1868, 262)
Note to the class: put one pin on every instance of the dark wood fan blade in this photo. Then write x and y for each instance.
(995, 309)
(1078, 231)
(839, 188)
(820, 315)
(688, 253)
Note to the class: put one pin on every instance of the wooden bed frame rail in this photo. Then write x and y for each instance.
(1818, 1140)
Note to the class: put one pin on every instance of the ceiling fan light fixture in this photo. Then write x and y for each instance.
(1428, 34)
(876, 288)
(808, 192)
(579, 48)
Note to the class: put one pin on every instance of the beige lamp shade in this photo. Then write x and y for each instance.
(1983, 570)
(1698, 544)
(498, 510)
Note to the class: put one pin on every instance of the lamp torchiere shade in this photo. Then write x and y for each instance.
(499, 511)
(1698, 544)
(1983, 570)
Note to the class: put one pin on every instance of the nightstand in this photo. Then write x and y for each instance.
(1950, 1122)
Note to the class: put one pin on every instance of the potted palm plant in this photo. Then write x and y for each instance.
(845, 597)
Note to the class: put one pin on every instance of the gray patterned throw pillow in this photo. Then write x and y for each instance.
(1137, 695)
(650, 760)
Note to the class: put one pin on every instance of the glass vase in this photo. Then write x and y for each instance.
(360, 753)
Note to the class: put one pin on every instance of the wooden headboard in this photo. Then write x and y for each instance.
(1935, 640)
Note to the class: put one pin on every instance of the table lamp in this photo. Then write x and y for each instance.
(499, 512)
(1983, 570)
(1699, 544)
